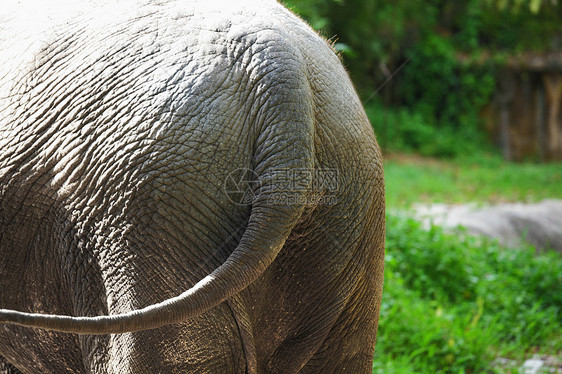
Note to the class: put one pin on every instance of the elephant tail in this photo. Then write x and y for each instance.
(284, 143)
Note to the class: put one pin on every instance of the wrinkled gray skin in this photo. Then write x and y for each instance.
(118, 128)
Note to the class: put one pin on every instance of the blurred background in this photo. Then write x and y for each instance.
(465, 99)
(445, 77)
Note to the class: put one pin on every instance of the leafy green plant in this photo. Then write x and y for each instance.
(520, 25)
(448, 94)
(406, 130)
(452, 303)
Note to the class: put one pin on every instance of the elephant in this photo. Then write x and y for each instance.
(185, 187)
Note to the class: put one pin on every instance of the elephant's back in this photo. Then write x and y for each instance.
(101, 71)
(187, 78)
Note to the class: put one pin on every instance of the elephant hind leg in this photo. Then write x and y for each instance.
(349, 346)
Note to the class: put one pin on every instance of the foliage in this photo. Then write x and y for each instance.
(407, 130)
(515, 26)
(452, 302)
(516, 5)
(312, 11)
(427, 57)
(448, 95)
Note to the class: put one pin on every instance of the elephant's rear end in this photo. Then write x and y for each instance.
(146, 118)
(318, 304)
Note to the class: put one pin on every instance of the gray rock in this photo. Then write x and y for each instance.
(539, 224)
(533, 366)
(538, 364)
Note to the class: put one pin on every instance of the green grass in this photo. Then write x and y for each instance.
(453, 303)
(412, 179)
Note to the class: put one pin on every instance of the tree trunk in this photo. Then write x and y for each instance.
(553, 88)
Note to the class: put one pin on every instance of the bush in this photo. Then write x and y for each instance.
(448, 94)
(452, 302)
(404, 130)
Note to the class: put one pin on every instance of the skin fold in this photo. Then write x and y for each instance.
(185, 187)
